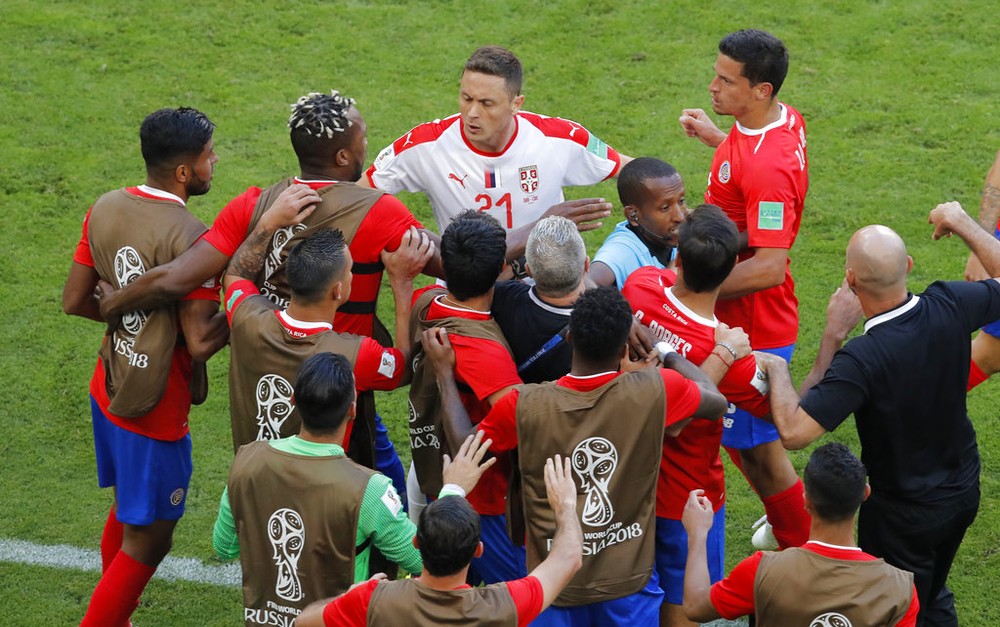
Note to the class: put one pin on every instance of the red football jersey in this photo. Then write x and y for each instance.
(691, 460)
(760, 177)
(485, 367)
(382, 228)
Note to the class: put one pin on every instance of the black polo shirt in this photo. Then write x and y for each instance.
(529, 323)
(905, 381)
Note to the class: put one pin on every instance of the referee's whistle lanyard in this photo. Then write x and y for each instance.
(546, 347)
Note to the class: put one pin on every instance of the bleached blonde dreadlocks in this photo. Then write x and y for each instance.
(320, 115)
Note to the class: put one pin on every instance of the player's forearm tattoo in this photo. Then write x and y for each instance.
(989, 207)
(249, 257)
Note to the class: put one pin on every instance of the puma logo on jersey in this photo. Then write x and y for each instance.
(408, 141)
(460, 181)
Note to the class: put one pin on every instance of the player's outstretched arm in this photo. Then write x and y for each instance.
(989, 213)
(586, 213)
(441, 357)
(713, 404)
(795, 426)
(696, 123)
(697, 520)
(566, 556)
(949, 218)
(403, 264)
(166, 283)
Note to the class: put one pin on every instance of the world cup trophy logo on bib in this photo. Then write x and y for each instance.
(281, 237)
(287, 534)
(128, 268)
(594, 461)
(831, 619)
(274, 405)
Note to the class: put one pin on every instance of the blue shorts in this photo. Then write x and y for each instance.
(501, 560)
(387, 460)
(672, 553)
(150, 477)
(635, 610)
(741, 430)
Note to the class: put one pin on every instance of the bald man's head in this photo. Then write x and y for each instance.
(877, 262)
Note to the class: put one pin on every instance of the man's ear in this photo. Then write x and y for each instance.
(631, 214)
(182, 173)
(868, 492)
(586, 264)
(763, 91)
(518, 101)
(352, 411)
(909, 264)
(416, 543)
(479, 549)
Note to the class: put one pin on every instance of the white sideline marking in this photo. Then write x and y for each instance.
(65, 556)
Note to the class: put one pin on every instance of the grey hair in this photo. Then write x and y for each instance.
(556, 255)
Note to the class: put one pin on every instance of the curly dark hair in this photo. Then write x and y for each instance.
(169, 135)
(835, 481)
(473, 249)
(319, 126)
(600, 323)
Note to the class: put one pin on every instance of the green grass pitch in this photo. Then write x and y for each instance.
(900, 99)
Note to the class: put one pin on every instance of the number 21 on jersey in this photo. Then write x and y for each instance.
(486, 203)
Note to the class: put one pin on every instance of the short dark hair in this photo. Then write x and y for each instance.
(170, 135)
(764, 56)
(497, 61)
(324, 390)
(707, 243)
(473, 249)
(314, 263)
(835, 481)
(600, 323)
(447, 535)
(319, 127)
(633, 176)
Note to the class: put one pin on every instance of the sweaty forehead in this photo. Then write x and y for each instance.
(728, 67)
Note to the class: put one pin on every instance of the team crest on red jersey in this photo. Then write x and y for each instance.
(724, 172)
(528, 176)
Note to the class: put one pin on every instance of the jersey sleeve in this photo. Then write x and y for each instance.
(377, 367)
(351, 608)
(683, 396)
(843, 389)
(771, 198)
(397, 167)
(382, 229)
(238, 292)
(383, 519)
(500, 425)
(224, 539)
(746, 387)
(230, 226)
(733, 596)
(589, 160)
(82, 253)
(528, 596)
(484, 365)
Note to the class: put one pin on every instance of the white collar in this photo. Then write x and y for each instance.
(301, 324)
(669, 293)
(782, 119)
(159, 193)
(592, 376)
(892, 313)
(535, 298)
(835, 546)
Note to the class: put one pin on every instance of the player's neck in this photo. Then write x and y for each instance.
(448, 582)
(171, 186)
(561, 301)
(759, 118)
(480, 304)
(839, 533)
(502, 139)
(875, 304)
(581, 367)
(337, 437)
(319, 312)
(702, 303)
(330, 173)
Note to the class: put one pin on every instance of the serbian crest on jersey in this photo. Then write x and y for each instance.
(528, 176)
(724, 172)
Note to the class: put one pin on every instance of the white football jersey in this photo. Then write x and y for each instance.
(516, 185)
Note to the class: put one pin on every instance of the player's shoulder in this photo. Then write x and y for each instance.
(651, 276)
(424, 134)
(556, 128)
